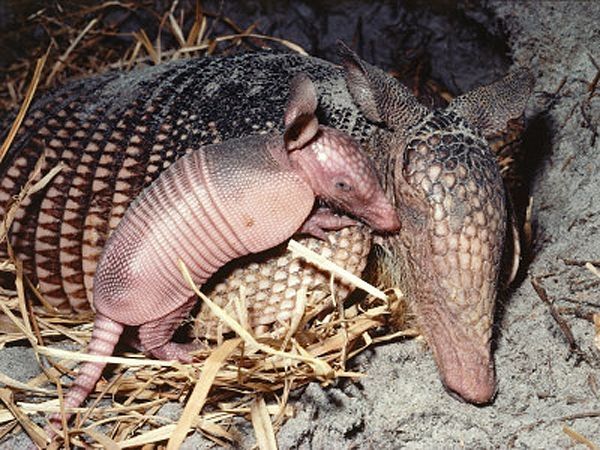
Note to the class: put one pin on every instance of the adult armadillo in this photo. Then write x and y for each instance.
(115, 133)
(448, 191)
(216, 204)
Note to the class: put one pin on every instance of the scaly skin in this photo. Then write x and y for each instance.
(272, 279)
(116, 133)
(453, 211)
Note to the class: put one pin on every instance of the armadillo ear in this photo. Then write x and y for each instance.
(300, 121)
(489, 108)
(377, 94)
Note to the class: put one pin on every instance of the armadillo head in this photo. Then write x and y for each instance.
(337, 169)
(451, 202)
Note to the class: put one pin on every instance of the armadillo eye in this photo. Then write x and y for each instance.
(343, 186)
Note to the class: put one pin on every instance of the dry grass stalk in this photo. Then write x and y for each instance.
(593, 269)
(263, 427)
(31, 428)
(596, 318)
(233, 37)
(17, 385)
(516, 259)
(61, 62)
(579, 438)
(39, 66)
(200, 393)
(528, 225)
(83, 356)
(31, 186)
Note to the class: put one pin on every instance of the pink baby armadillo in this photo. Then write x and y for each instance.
(217, 204)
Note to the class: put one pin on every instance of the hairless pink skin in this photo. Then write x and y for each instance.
(218, 204)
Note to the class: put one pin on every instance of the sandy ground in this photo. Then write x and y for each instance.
(548, 388)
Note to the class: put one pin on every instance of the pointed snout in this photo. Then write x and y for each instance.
(469, 376)
(382, 218)
(457, 323)
(457, 326)
(478, 391)
(456, 295)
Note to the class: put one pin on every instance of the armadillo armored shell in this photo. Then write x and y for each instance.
(271, 280)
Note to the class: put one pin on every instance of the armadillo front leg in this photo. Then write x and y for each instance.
(156, 336)
(323, 220)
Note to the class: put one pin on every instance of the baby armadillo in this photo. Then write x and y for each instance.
(216, 204)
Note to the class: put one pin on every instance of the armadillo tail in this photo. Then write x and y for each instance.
(105, 336)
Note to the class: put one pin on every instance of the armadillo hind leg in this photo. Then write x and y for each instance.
(155, 336)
